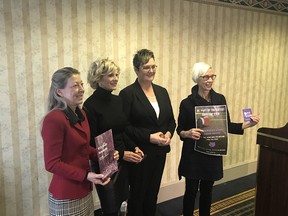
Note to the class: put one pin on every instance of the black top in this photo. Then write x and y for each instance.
(104, 112)
(143, 119)
(193, 164)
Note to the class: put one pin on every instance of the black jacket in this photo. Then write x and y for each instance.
(143, 119)
(193, 164)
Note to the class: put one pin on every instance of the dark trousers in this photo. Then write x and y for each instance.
(115, 192)
(145, 179)
(191, 189)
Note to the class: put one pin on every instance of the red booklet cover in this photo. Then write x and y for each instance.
(105, 151)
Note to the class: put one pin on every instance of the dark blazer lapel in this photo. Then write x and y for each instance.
(145, 102)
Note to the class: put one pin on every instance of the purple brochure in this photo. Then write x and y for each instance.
(247, 112)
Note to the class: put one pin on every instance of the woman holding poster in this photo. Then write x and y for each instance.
(198, 168)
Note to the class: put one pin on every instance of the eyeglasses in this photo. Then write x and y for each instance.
(147, 68)
(207, 77)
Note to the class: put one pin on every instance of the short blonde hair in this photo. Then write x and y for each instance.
(199, 69)
(98, 69)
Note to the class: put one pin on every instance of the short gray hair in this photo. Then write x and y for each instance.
(199, 69)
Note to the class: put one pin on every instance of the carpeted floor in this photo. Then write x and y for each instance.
(233, 198)
(239, 204)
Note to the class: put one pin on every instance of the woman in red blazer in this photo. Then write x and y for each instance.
(67, 151)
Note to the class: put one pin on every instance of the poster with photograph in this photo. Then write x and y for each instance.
(105, 151)
(213, 121)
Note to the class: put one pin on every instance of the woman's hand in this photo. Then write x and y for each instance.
(160, 139)
(97, 178)
(139, 151)
(167, 137)
(116, 155)
(254, 121)
(193, 133)
(131, 157)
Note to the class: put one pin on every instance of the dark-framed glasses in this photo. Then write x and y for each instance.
(207, 77)
(146, 67)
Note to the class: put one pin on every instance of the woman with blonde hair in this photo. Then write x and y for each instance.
(104, 112)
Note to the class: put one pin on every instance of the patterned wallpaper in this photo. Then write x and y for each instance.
(247, 49)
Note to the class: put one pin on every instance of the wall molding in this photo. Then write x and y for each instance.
(279, 7)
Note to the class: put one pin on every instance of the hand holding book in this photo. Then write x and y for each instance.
(116, 155)
(97, 178)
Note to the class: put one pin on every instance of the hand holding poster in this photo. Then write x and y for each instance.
(105, 151)
(213, 121)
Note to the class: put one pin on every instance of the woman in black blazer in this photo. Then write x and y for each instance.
(201, 170)
(152, 124)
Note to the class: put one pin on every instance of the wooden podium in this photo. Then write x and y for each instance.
(272, 172)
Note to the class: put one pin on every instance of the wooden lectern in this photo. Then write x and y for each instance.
(272, 172)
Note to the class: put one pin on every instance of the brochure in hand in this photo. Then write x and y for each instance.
(213, 121)
(105, 151)
(247, 112)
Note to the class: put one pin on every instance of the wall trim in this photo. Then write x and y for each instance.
(279, 7)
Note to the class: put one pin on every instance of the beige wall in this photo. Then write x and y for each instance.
(248, 50)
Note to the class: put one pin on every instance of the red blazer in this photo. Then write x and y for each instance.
(67, 152)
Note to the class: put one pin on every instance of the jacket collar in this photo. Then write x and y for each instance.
(198, 100)
(102, 93)
(72, 117)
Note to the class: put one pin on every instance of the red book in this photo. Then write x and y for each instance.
(105, 151)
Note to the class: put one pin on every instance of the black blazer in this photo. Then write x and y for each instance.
(143, 119)
(193, 164)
